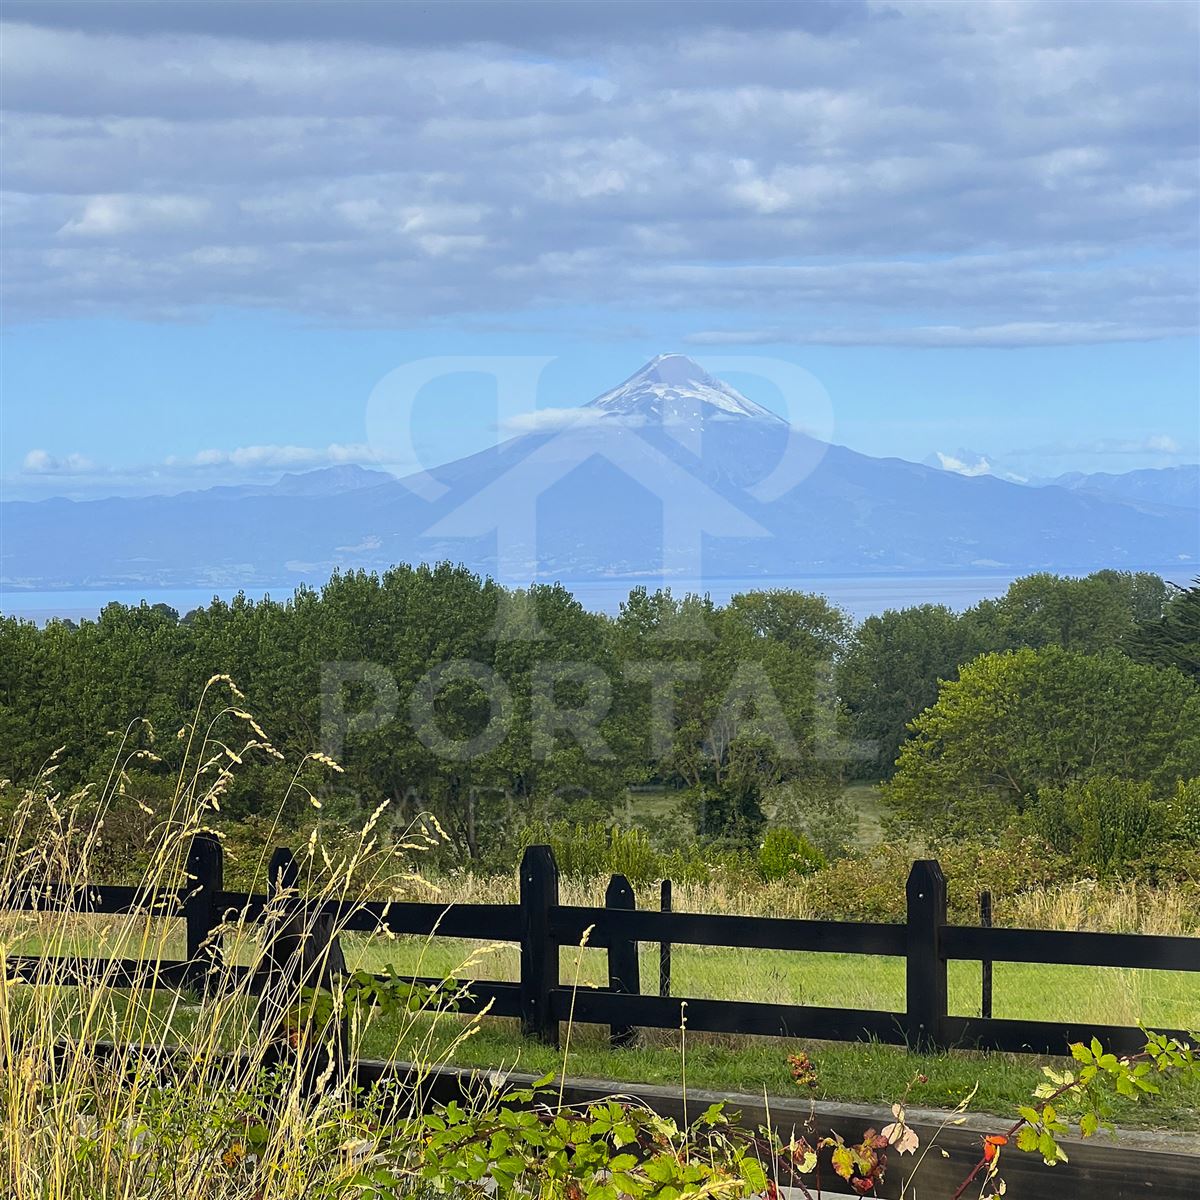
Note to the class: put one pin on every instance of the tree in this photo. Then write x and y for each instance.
(1090, 614)
(1172, 639)
(1016, 722)
(890, 672)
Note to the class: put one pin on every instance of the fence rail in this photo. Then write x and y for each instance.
(541, 926)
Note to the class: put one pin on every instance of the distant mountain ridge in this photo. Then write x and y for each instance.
(673, 472)
(1153, 485)
(1178, 486)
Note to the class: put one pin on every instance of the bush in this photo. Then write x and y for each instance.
(1182, 814)
(818, 812)
(1103, 824)
(591, 850)
(870, 886)
(786, 854)
(584, 851)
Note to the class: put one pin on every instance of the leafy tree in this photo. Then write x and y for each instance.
(1017, 722)
(1090, 614)
(1172, 638)
(890, 673)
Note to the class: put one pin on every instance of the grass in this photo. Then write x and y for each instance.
(869, 1073)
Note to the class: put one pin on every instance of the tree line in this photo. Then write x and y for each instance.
(444, 692)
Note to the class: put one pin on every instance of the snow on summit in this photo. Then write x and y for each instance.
(672, 389)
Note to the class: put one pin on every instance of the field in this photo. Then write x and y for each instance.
(871, 1073)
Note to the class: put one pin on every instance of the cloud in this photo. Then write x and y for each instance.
(110, 216)
(276, 456)
(1013, 334)
(205, 468)
(1035, 183)
(555, 420)
(39, 462)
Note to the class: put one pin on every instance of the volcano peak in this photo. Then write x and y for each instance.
(672, 388)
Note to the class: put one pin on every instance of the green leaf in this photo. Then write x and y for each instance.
(1027, 1139)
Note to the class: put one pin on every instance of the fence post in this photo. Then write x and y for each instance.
(985, 978)
(283, 872)
(664, 948)
(205, 869)
(301, 952)
(926, 966)
(624, 973)
(539, 951)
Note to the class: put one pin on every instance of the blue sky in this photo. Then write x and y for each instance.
(975, 225)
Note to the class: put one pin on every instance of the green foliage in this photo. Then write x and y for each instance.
(786, 854)
(748, 692)
(1089, 615)
(870, 886)
(1103, 824)
(893, 663)
(586, 851)
(605, 1150)
(890, 673)
(1013, 724)
(726, 700)
(1102, 1076)
(1182, 815)
(819, 813)
(594, 850)
(1172, 638)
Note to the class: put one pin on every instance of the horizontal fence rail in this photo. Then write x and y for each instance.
(1149, 951)
(114, 899)
(541, 926)
(610, 926)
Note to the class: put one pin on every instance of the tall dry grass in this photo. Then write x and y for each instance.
(148, 1090)
(1116, 906)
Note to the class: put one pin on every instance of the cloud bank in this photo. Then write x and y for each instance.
(1033, 183)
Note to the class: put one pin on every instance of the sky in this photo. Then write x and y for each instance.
(975, 225)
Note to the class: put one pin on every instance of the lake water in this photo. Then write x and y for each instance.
(860, 595)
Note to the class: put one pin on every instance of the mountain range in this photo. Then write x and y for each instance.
(1177, 486)
(673, 472)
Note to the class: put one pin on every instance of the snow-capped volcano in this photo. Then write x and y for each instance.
(672, 389)
(673, 473)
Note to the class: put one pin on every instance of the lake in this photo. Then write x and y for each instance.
(859, 595)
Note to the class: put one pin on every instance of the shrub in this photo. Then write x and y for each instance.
(786, 854)
(1182, 815)
(584, 851)
(1103, 824)
(870, 886)
(818, 812)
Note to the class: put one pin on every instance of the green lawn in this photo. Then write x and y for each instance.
(852, 1072)
(1109, 995)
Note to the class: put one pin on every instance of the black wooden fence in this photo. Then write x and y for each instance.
(541, 925)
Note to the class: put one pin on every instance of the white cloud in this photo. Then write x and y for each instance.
(40, 462)
(1034, 183)
(77, 475)
(555, 420)
(269, 457)
(1013, 334)
(115, 216)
